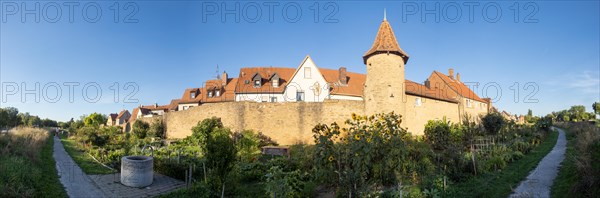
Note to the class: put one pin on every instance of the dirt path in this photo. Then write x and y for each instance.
(75, 181)
(540, 180)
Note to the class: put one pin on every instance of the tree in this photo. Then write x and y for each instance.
(34, 121)
(596, 107)
(157, 129)
(95, 120)
(220, 155)
(577, 113)
(3, 118)
(12, 118)
(493, 122)
(219, 150)
(140, 129)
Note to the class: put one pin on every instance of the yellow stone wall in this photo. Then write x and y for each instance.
(287, 123)
(417, 116)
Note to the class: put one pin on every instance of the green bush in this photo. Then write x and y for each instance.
(493, 122)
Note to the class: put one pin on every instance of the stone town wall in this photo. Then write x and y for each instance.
(287, 123)
(417, 116)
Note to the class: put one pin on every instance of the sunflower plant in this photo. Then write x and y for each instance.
(361, 155)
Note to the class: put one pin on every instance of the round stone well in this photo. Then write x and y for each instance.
(137, 171)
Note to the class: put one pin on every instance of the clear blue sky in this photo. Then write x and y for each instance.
(176, 45)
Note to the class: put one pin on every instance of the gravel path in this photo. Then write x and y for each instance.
(540, 180)
(75, 181)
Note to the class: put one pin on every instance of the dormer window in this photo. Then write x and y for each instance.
(275, 80)
(257, 79)
(210, 94)
(193, 95)
(218, 93)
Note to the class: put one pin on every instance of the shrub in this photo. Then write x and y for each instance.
(140, 129)
(362, 155)
(284, 184)
(493, 122)
(156, 129)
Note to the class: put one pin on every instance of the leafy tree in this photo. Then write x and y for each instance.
(34, 121)
(577, 113)
(3, 118)
(596, 107)
(437, 134)
(529, 116)
(220, 155)
(140, 129)
(247, 144)
(95, 120)
(493, 122)
(203, 129)
(157, 129)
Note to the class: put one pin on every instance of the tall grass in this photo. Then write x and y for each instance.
(579, 175)
(27, 168)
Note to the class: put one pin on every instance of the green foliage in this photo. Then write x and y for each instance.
(493, 122)
(437, 134)
(220, 153)
(156, 129)
(246, 142)
(284, 184)
(362, 155)
(94, 120)
(140, 129)
(596, 107)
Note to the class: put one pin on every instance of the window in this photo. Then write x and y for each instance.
(275, 82)
(264, 98)
(273, 99)
(418, 102)
(469, 103)
(307, 72)
(186, 107)
(210, 94)
(257, 83)
(300, 96)
(193, 95)
(218, 93)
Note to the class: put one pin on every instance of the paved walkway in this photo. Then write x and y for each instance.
(540, 180)
(75, 181)
(78, 184)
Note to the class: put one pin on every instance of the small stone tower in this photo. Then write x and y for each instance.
(384, 88)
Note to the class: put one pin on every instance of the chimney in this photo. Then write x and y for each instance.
(224, 78)
(458, 77)
(428, 84)
(155, 105)
(451, 73)
(343, 77)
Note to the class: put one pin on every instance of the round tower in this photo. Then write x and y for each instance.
(384, 90)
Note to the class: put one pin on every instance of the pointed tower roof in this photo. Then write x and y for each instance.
(385, 42)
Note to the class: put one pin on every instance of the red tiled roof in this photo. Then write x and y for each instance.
(417, 89)
(174, 104)
(354, 86)
(227, 92)
(459, 87)
(385, 42)
(186, 98)
(246, 85)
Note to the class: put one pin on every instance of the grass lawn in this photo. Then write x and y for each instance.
(501, 183)
(85, 161)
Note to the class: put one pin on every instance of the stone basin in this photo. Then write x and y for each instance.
(137, 171)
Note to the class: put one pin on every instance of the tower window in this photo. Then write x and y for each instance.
(418, 102)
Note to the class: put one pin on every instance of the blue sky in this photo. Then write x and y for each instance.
(551, 49)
